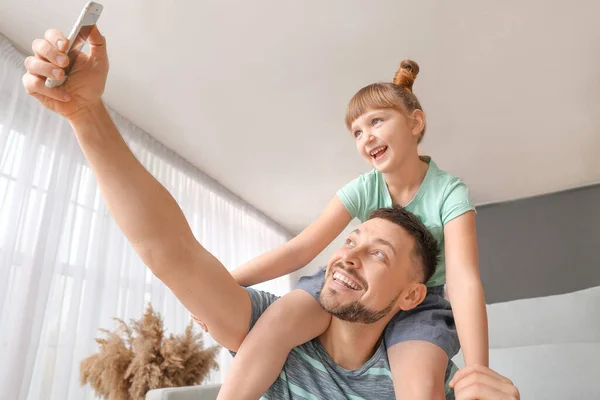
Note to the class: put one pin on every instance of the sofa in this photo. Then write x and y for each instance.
(548, 346)
(199, 392)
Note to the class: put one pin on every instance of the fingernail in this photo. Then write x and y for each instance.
(60, 44)
(56, 73)
(62, 60)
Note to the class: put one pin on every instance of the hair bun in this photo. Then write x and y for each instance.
(406, 75)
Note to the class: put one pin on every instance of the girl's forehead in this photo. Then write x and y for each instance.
(369, 113)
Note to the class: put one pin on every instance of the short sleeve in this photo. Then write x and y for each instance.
(260, 302)
(456, 201)
(353, 196)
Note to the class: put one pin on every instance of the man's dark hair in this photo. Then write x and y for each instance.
(426, 249)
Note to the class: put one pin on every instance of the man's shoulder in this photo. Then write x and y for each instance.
(260, 301)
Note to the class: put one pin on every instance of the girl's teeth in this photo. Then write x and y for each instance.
(377, 152)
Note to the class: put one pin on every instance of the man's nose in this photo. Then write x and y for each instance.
(351, 258)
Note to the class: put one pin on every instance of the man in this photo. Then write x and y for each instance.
(361, 289)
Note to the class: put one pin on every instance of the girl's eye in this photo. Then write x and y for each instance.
(349, 242)
(376, 121)
(357, 134)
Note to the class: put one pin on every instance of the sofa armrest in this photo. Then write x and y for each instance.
(199, 392)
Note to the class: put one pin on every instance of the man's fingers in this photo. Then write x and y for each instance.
(462, 373)
(47, 63)
(39, 67)
(35, 85)
(45, 50)
(478, 392)
(97, 44)
(31, 83)
(479, 382)
(56, 38)
(482, 379)
(95, 38)
(459, 375)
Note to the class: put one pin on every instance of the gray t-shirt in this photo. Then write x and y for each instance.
(310, 373)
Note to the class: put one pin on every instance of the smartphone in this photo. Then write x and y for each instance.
(78, 37)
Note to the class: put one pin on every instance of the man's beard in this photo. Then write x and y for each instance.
(354, 311)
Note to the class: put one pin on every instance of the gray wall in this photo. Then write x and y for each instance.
(540, 246)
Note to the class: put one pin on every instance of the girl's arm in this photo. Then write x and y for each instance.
(299, 251)
(465, 290)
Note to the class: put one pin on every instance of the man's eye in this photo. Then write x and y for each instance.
(349, 242)
(379, 254)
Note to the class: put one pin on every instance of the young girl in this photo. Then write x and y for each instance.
(387, 123)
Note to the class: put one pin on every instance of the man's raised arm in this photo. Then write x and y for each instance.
(141, 206)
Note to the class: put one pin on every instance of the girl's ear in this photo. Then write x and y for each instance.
(418, 122)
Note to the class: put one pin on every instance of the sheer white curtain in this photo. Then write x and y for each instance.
(66, 269)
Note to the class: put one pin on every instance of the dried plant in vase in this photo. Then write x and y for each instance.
(137, 357)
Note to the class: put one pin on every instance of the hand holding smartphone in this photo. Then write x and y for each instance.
(78, 37)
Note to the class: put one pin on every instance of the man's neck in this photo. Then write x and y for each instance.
(351, 345)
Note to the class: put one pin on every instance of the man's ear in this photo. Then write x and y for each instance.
(412, 296)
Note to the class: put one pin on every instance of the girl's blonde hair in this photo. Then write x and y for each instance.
(397, 94)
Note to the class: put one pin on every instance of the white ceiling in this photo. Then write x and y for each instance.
(253, 93)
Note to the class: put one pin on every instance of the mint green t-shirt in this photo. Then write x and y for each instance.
(441, 198)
